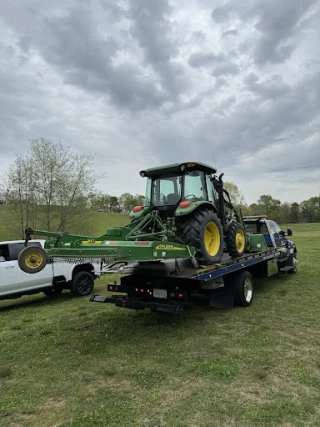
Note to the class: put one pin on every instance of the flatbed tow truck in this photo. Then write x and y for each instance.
(167, 286)
(188, 238)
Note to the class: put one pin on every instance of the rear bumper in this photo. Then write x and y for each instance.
(138, 304)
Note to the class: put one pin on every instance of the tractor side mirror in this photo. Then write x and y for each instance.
(289, 232)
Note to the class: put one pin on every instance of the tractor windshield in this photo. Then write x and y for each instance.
(163, 191)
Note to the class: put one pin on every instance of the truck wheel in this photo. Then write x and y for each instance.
(236, 240)
(82, 284)
(32, 259)
(294, 262)
(244, 288)
(204, 232)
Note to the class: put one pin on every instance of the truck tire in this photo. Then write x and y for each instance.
(204, 232)
(82, 284)
(244, 288)
(293, 263)
(236, 240)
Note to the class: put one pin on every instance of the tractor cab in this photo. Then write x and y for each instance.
(170, 186)
(187, 203)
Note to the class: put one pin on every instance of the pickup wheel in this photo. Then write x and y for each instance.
(244, 288)
(82, 284)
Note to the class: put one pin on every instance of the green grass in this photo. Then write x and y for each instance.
(69, 362)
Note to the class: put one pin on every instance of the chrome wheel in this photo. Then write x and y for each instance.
(248, 289)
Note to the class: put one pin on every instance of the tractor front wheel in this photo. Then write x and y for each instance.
(204, 232)
(236, 240)
(32, 259)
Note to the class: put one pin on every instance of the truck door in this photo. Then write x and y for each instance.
(8, 272)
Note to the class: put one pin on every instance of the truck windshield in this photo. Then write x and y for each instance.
(163, 191)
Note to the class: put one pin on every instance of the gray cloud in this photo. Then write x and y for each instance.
(225, 69)
(229, 33)
(144, 80)
(223, 13)
(152, 29)
(219, 64)
(278, 23)
(272, 88)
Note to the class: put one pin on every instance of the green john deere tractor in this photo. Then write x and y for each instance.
(194, 206)
(187, 214)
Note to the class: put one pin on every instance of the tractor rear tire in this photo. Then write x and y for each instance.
(204, 232)
(236, 240)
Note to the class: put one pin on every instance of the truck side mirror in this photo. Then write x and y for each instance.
(289, 232)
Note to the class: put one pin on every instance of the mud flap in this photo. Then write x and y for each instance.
(224, 297)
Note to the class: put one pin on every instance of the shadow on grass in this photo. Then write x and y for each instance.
(25, 301)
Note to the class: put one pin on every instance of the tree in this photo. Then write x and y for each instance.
(114, 204)
(49, 186)
(99, 201)
(128, 201)
(294, 212)
(269, 206)
(234, 193)
(310, 209)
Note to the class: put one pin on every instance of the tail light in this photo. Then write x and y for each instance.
(184, 204)
(138, 209)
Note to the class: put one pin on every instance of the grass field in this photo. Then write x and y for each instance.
(69, 362)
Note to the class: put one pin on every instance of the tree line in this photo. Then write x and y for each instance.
(306, 211)
(53, 188)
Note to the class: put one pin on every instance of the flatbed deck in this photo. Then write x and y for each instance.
(183, 268)
(166, 285)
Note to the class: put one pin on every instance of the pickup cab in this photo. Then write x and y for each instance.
(275, 238)
(55, 277)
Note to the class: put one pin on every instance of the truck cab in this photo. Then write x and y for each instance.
(274, 237)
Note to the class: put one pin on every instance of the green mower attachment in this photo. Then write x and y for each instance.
(68, 247)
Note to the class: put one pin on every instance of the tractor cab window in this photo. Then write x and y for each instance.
(147, 198)
(194, 186)
(210, 189)
(166, 191)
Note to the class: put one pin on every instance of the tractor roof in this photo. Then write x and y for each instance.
(177, 168)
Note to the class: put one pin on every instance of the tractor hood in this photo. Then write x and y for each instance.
(176, 169)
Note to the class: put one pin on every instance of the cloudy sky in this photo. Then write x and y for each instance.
(141, 83)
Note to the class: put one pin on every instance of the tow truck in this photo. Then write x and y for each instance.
(168, 285)
(187, 238)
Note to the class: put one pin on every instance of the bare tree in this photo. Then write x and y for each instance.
(49, 186)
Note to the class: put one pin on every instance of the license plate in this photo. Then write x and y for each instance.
(160, 293)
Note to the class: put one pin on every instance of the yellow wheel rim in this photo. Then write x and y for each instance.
(212, 238)
(240, 240)
(33, 260)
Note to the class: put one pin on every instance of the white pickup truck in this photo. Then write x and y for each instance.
(55, 277)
